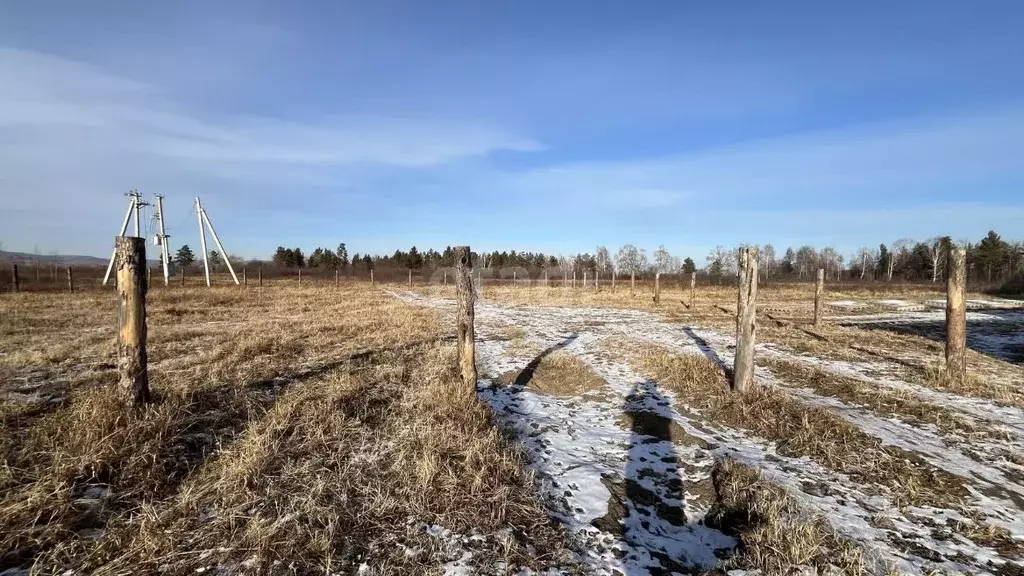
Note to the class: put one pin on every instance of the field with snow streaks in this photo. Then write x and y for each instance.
(919, 478)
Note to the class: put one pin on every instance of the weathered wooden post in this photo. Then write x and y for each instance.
(15, 283)
(746, 312)
(819, 289)
(585, 278)
(445, 277)
(410, 276)
(632, 283)
(613, 280)
(657, 287)
(597, 281)
(371, 277)
(245, 278)
(956, 313)
(71, 281)
(133, 383)
(149, 276)
(259, 276)
(465, 329)
(337, 277)
(300, 276)
(182, 270)
(693, 286)
(574, 278)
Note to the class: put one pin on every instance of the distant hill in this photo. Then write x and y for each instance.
(64, 259)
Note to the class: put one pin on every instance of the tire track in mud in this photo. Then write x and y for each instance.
(634, 499)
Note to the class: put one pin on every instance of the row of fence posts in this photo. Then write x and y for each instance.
(133, 380)
(956, 315)
(746, 314)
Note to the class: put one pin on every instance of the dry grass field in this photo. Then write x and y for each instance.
(320, 430)
(301, 430)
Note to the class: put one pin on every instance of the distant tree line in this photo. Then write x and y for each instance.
(991, 260)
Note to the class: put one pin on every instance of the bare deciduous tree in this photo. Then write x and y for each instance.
(898, 254)
(935, 253)
(806, 260)
(767, 261)
(665, 262)
(604, 260)
(631, 260)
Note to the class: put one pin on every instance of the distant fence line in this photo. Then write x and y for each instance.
(47, 277)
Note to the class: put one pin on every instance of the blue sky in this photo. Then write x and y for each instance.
(552, 126)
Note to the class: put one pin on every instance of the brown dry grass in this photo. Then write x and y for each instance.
(886, 402)
(297, 429)
(801, 430)
(557, 374)
(776, 535)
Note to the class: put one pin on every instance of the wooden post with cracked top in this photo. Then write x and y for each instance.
(464, 321)
(133, 377)
(746, 312)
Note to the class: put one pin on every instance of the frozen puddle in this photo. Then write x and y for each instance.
(628, 474)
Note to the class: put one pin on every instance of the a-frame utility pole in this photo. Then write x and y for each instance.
(204, 218)
(162, 238)
(134, 205)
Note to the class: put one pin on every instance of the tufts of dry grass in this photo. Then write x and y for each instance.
(886, 402)
(296, 429)
(776, 536)
(801, 430)
(557, 374)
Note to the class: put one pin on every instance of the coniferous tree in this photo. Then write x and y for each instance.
(185, 257)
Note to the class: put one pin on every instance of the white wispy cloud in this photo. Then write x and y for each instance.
(45, 98)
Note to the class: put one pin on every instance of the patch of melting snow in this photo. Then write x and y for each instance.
(846, 304)
(580, 449)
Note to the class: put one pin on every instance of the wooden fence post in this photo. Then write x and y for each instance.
(410, 276)
(597, 281)
(693, 286)
(746, 317)
(956, 313)
(585, 278)
(337, 278)
(657, 287)
(632, 283)
(149, 276)
(573, 278)
(245, 278)
(819, 289)
(613, 280)
(133, 383)
(465, 329)
(371, 277)
(300, 276)
(259, 276)
(16, 283)
(182, 270)
(445, 277)
(71, 281)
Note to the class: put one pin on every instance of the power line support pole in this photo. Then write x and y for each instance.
(220, 246)
(202, 240)
(164, 253)
(124, 228)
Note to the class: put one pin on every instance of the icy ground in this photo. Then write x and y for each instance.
(996, 332)
(633, 497)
